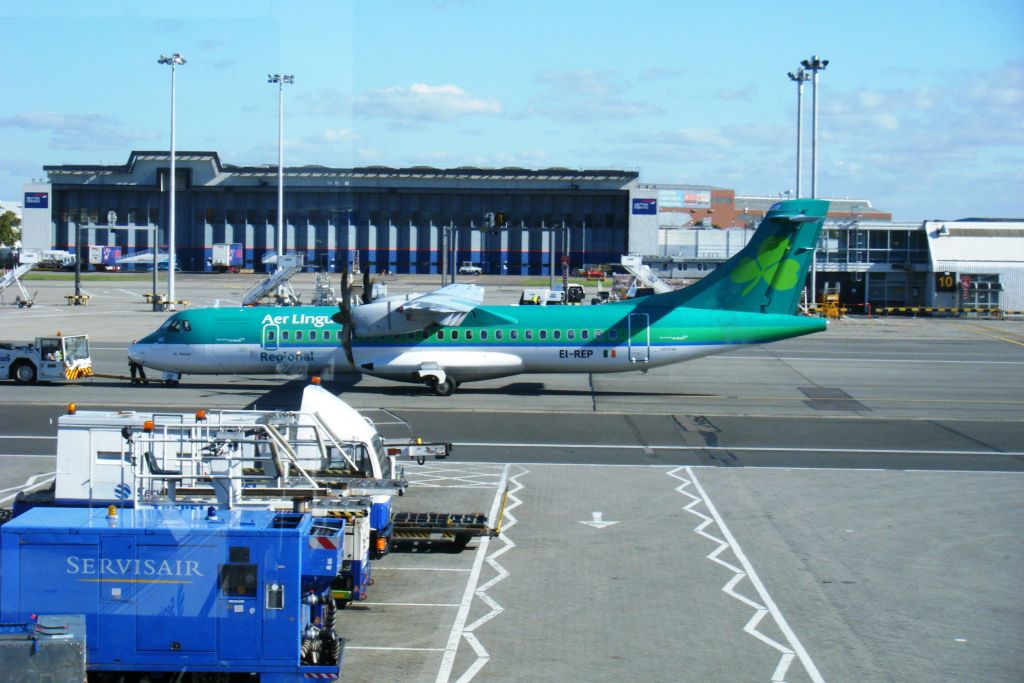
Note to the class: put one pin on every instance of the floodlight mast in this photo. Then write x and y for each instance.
(280, 80)
(800, 77)
(174, 61)
(814, 65)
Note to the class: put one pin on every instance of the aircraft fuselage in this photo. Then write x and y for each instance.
(610, 338)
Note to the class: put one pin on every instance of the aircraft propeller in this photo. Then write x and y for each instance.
(344, 315)
(367, 288)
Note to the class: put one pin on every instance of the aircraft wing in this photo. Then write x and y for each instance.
(454, 298)
(447, 306)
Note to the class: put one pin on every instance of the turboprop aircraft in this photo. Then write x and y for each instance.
(448, 337)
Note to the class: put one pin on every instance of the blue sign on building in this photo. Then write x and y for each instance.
(37, 200)
(645, 207)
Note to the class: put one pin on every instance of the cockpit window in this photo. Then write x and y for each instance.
(186, 326)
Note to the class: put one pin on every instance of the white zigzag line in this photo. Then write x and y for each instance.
(787, 654)
(482, 656)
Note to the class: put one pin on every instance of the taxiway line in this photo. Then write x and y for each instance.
(458, 628)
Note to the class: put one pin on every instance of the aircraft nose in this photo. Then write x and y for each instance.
(136, 352)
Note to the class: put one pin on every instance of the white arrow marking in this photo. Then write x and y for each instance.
(597, 522)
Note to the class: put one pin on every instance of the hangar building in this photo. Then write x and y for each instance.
(393, 217)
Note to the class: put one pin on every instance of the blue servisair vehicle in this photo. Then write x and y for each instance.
(448, 337)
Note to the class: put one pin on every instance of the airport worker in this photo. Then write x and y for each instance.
(137, 371)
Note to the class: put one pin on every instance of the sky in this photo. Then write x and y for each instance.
(921, 107)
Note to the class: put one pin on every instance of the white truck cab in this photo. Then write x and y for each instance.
(47, 359)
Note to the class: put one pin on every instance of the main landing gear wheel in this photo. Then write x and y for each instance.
(445, 388)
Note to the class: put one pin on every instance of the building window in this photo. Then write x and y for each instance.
(982, 292)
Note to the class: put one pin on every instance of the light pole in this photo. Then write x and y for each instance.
(173, 61)
(800, 77)
(280, 80)
(814, 65)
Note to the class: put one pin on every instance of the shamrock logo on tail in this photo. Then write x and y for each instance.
(769, 265)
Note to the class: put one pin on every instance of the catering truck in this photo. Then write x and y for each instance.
(325, 458)
(227, 258)
(104, 258)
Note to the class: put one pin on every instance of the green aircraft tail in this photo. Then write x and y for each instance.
(768, 275)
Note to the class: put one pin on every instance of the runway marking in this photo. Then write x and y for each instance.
(26, 436)
(409, 604)
(421, 569)
(988, 334)
(751, 449)
(78, 313)
(459, 628)
(880, 360)
(463, 475)
(32, 482)
(394, 649)
(431, 480)
(767, 605)
(783, 468)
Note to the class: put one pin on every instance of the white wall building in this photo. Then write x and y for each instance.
(983, 261)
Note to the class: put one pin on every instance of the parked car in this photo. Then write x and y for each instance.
(467, 268)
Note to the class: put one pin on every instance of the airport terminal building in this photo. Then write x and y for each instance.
(384, 219)
(509, 220)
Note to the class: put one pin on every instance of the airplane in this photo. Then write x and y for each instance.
(447, 337)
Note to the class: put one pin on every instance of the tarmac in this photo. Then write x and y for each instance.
(844, 506)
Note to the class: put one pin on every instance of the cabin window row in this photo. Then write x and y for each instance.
(301, 335)
(454, 335)
(529, 335)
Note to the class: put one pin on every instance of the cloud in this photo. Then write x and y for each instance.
(1004, 88)
(920, 147)
(85, 131)
(326, 102)
(586, 95)
(661, 74)
(747, 93)
(339, 135)
(423, 103)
